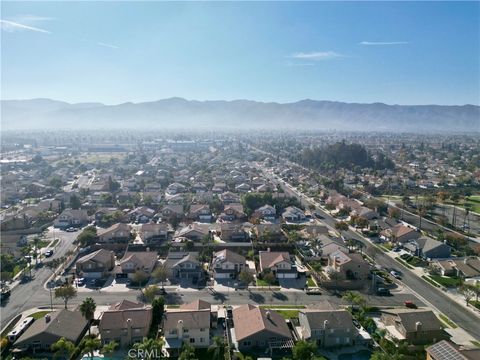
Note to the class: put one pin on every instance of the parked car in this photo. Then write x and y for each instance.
(71, 229)
(395, 274)
(383, 292)
(48, 253)
(80, 281)
(410, 304)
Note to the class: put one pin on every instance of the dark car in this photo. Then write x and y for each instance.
(383, 292)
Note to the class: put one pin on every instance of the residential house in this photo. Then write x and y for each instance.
(47, 330)
(280, 263)
(96, 265)
(365, 213)
(125, 323)
(269, 233)
(233, 211)
(266, 212)
(194, 232)
(152, 234)
(428, 248)
(134, 261)
(188, 324)
(445, 350)
(102, 213)
(117, 233)
(466, 268)
(141, 215)
(230, 232)
(400, 233)
(256, 327)
(327, 328)
(170, 212)
(243, 188)
(71, 218)
(175, 188)
(229, 198)
(227, 264)
(348, 266)
(293, 214)
(416, 326)
(200, 212)
(183, 266)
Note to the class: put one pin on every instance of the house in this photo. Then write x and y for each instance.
(194, 232)
(466, 268)
(400, 233)
(96, 265)
(117, 233)
(175, 188)
(327, 328)
(280, 263)
(315, 230)
(219, 187)
(71, 218)
(416, 326)
(141, 215)
(269, 233)
(445, 350)
(365, 213)
(266, 212)
(46, 331)
(255, 327)
(428, 248)
(170, 212)
(153, 233)
(293, 214)
(125, 323)
(229, 198)
(136, 261)
(200, 212)
(184, 265)
(233, 211)
(227, 264)
(243, 188)
(103, 213)
(230, 232)
(348, 266)
(189, 324)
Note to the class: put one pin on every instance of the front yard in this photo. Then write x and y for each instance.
(447, 281)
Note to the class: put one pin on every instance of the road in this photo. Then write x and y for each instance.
(33, 292)
(459, 314)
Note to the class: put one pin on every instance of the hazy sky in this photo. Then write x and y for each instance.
(112, 52)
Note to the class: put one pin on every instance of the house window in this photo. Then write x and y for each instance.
(173, 332)
(192, 340)
(202, 329)
(185, 331)
(202, 340)
(247, 343)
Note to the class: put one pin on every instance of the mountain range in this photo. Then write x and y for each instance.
(181, 113)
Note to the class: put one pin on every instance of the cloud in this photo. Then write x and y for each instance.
(111, 46)
(380, 43)
(11, 26)
(29, 18)
(317, 56)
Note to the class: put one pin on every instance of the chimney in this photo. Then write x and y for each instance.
(47, 318)
(465, 260)
(268, 249)
(148, 248)
(180, 329)
(325, 324)
(267, 314)
(129, 331)
(418, 326)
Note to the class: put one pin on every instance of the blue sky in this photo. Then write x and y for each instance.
(113, 52)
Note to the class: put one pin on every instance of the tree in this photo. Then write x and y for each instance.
(139, 277)
(304, 350)
(217, 349)
(65, 292)
(63, 349)
(353, 298)
(87, 236)
(149, 292)
(188, 352)
(245, 277)
(341, 226)
(158, 308)
(467, 292)
(90, 345)
(152, 348)
(269, 277)
(87, 308)
(380, 355)
(108, 349)
(75, 202)
(160, 274)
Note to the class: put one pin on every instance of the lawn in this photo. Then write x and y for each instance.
(311, 282)
(475, 303)
(288, 314)
(447, 321)
(39, 314)
(261, 282)
(446, 281)
(430, 281)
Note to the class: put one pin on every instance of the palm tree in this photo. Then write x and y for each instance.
(109, 348)
(63, 348)
(90, 345)
(152, 348)
(217, 349)
(87, 308)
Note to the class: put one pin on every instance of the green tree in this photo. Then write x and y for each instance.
(270, 278)
(139, 277)
(87, 308)
(353, 298)
(90, 346)
(245, 277)
(468, 292)
(109, 349)
(87, 236)
(160, 274)
(304, 350)
(150, 292)
(217, 349)
(65, 292)
(158, 308)
(152, 348)
(341, 226)
(75, 202)
(63, 349)
(188, 352)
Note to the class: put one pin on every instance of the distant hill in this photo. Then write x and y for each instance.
(181, 113)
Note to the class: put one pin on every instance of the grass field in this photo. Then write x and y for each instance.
(447, 321)
(446, 281)
(40, 314)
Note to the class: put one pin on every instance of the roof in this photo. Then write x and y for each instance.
(400, 230)
(409, 318)
(119, 315)
(114, 228)
(249, 320)
(269, 259)
(196, 305)
(444, 350)
(146, 259)
(100, 256)
(337, 319)
(228, 255)
(191, 319)
(427, 244)
(64, 323)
